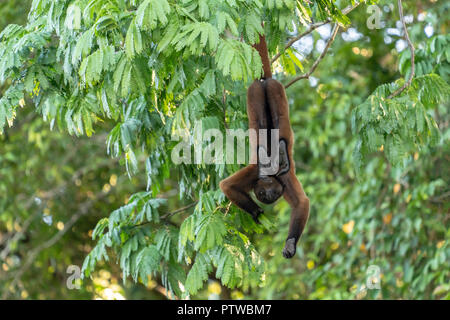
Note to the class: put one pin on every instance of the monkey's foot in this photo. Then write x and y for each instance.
(289, 248)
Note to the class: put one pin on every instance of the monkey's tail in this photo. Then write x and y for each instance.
(261, 47)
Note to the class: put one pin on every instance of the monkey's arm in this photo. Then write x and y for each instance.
(299, 202)
(237, 188)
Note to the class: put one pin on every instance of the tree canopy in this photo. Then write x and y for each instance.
(96, 95)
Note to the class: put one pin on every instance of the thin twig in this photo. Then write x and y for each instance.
(312, 27)
(224, 104)
(295, 39)
(228, 208)
(349, 9)
(170, 214)
(411, 49)
(316, 63)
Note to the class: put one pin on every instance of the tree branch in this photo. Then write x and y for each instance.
(316, 63)
(295, 39)
(312, 27)
(411, 49)
(170, 214)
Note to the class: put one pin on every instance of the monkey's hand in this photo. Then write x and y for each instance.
(255, 214)
(289, 248)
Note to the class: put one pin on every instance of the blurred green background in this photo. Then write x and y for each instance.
(55, 187)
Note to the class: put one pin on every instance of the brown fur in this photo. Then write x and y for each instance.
(237, 187)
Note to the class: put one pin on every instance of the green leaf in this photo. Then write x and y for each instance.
(133, 41)
(83, 46)
(198, 273)
(210, 231)
(150, 12)
(148, 261)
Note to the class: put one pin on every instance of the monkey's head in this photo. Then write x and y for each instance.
(268, 190)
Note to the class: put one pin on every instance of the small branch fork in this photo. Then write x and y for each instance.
(411, 49)
(312, 27)
(261, 47)
(345, 11)
(295, 39)
(316, 63)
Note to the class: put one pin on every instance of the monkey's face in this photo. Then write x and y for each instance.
(268, 190)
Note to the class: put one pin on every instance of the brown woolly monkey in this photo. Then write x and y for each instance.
(267, 108)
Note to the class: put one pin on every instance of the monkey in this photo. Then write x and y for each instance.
(267, 108)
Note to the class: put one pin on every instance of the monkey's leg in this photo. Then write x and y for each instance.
(237, 188)
(257, 116)
(278, 105)
(256, 105)
(279, 110)
(299, 202)
(284, 158)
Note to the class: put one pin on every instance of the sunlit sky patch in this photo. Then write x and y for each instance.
(400, 45)
(429, 30)
(306, 45)
(409, 18)
(313, 81)
(324, 31)
(48, 219)
(394, 32)
(351, 34)
(421, 16)
(388, 39)
(320, 45)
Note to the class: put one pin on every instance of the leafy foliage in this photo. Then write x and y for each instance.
(400, 125)
(140, 73)
(404, 124)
